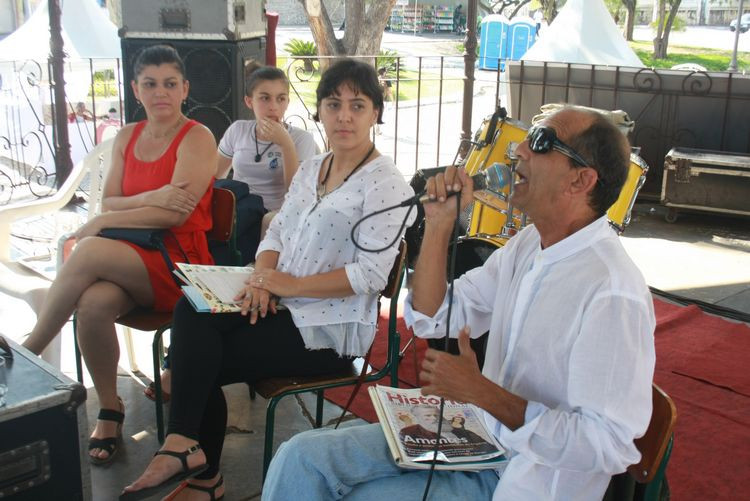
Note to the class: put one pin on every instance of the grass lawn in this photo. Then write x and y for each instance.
(711, 59)
(407, 90)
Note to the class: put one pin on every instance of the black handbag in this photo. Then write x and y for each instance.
(147, 238)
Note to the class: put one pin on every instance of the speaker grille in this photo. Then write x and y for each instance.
(212, 117)
(215, 72)
(212, 69)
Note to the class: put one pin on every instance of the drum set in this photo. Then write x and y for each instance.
(491, 220)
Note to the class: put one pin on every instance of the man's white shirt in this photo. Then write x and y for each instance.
(571, 331)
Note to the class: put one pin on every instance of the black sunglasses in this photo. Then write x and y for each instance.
(544, 139)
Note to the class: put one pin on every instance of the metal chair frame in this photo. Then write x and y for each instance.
(274, 389)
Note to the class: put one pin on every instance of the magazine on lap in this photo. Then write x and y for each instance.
(409, 421)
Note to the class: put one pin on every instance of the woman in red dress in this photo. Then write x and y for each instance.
(160, 177)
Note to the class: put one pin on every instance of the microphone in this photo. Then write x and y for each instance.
(493, 179)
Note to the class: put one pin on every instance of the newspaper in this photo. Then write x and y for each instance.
(409, 420)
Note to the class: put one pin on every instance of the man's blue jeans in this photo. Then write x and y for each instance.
(355, 464)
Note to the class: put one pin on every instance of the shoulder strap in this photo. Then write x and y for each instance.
(134, 137)
(182, 133)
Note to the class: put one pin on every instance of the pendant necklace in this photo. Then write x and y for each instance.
(258, 156)
(321, 190)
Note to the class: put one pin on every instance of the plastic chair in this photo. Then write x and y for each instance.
(274, 389)
(645, 480)
(142, 319)
(17, 278)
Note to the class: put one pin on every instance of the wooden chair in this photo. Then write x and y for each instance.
(274, 389)
(142, 319)
(645, 480)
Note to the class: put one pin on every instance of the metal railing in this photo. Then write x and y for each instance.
(422, 125)
(27, 136)
(696, 109)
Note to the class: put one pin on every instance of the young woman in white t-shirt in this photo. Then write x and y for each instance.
(265, 152)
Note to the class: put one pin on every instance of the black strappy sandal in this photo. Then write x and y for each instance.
(211, 491)
(177, 477)
(108, 444)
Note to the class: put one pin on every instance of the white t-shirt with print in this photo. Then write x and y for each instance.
(266, 177)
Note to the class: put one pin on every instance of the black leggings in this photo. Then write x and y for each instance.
(211, 350)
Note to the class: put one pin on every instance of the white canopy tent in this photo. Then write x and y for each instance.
(583, 32)
(86, 30)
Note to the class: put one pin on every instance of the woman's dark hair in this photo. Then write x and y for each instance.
(359, 76)
(255, 74)
(155, 55)
(609, 152)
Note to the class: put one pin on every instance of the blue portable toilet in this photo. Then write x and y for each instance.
(521, 35)
(494, 29)
(503, 39)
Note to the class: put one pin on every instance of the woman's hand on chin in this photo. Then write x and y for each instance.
(275, 131)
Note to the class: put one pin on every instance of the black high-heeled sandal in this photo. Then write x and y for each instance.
(107, 444)
(183, 474)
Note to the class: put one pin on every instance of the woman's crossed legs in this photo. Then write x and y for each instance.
(101, 280)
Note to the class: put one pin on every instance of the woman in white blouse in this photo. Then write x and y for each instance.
(309, 264)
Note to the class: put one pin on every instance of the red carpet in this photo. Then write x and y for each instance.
(407, 375)
(703, 363)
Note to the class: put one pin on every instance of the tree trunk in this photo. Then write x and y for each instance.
(363, 30)
(659, 49)
(661, 42)
(630, 20)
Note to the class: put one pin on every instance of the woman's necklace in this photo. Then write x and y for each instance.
(322, 191)
(166, 133)
(258, 156)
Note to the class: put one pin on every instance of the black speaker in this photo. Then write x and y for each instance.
(214, 69)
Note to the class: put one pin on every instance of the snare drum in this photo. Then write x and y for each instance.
(489, 219)
(491, 225)
(619, 213)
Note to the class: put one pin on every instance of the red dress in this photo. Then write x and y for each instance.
(140, 176)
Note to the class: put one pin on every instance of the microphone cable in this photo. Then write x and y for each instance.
(451, 273)
(411, 202)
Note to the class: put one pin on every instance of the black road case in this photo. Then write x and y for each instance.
(706, 180)
(43, 428)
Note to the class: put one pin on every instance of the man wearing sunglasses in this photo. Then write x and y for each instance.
(566, 383)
